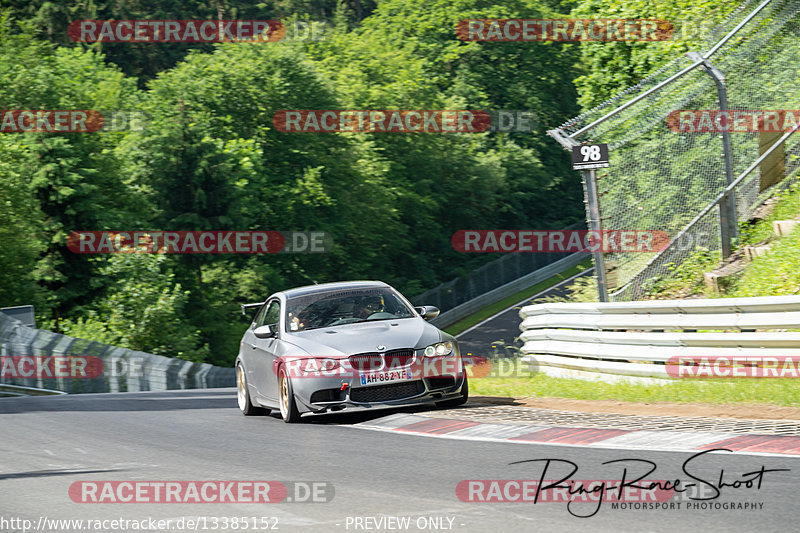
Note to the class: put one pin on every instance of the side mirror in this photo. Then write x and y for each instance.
(266, 332)
(428, 312)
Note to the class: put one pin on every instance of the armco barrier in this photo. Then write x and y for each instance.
(124, 370)
(17, 390)
(634, 340)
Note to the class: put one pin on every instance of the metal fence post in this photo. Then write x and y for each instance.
(728, 221)
(593, 216)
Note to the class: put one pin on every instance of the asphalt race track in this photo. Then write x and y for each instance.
(489, 336)
(49, 443)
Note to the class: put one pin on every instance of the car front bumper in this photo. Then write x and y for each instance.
(331, 394)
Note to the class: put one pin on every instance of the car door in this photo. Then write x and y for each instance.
(265, 352)
(248, 350)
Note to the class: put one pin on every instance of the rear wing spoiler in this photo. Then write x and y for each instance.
(248, 307)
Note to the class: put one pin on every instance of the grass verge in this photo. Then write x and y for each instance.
(786, 208)
(775, 274)
(784, 392)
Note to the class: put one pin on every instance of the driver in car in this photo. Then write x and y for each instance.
(371, 305)
(301, 320)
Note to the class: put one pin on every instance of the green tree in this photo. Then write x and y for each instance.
(211, 159)
(144, 308)
(610, 67)
(61, 181)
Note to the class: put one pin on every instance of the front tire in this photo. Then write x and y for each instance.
(289, 411)
(243, 395)
(461, 400)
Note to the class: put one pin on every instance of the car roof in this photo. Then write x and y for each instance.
(326, 287)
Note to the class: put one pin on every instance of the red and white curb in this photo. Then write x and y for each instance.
(622, 439)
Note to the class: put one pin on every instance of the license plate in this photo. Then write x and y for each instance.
(376, 378)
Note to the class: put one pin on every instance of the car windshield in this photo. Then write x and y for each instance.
(334, 308)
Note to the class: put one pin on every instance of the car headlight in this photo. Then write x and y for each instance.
(319, 365)
(439, 349)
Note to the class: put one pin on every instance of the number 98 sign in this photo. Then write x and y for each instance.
(588, 156)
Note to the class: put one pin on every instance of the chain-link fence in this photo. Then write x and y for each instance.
(659, 178)
(25, 352)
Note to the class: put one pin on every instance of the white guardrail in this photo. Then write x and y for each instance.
(634, 341)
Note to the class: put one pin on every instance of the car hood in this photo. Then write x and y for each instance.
(366, 337)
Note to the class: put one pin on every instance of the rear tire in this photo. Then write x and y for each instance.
(289, 411)
(243, 395)
(455, 402)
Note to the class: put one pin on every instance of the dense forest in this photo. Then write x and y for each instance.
(209, 158)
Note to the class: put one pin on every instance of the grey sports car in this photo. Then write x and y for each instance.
(349, 345)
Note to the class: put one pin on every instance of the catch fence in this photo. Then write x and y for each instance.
(662, 179)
